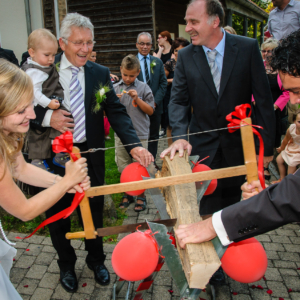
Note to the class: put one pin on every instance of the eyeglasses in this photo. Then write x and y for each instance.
(145, 44)
(81, 44)
(160, 37)
(268, 51)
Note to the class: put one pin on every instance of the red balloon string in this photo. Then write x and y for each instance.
(62, 143)
(241, 113)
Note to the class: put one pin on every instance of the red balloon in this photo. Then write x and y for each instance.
(134, 172)
(245, 261)
(135, 257)
(213, 184)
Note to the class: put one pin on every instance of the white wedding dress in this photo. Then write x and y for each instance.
(7, 290)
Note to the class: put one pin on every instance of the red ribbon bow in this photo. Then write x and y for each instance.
(62, 143)
(240, 113)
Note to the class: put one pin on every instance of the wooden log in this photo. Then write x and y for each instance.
(85, 209)
(166, 181)
(199, 261)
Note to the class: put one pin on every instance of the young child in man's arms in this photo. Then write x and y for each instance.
(138, 99)
(48, 92)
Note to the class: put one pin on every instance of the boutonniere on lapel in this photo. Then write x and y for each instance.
(152, 65)
(101, 96)
(57, 66)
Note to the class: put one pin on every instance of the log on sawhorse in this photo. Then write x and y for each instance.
(175, 182)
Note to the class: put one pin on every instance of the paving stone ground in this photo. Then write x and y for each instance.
(35, 273)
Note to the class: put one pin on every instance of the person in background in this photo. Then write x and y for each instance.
(9, 55)
(16, 110)
(138, 99)
(169, 67)
(164, 41)
(289, 149)
(152, 73)
(229, 29)
(284, 19)
(279, 95)
(93, 58)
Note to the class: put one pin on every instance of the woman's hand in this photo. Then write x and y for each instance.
(279, 149)
(275, 107)
(83, 186)
(76, 171)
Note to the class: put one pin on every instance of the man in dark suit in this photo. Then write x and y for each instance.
(213, 75)
(9, 55)
(273, 207)
(80, 80)
(152, 73)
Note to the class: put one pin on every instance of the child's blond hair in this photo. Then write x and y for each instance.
(36, 37)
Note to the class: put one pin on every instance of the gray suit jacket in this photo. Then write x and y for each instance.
(275, 206)
(158, 83)
(243, 74)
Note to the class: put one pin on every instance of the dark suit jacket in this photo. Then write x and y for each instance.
(9, 55)
(119, 120)
(243, 74)
(158, 83)
(273, 207)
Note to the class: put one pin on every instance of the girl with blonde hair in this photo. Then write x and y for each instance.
(16, 111)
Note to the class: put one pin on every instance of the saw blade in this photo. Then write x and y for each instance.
(202, 189)
(192, 159)
(159, 201)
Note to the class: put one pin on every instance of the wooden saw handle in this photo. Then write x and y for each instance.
(249, 150)
(88, 224)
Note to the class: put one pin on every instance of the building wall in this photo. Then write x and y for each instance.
(13, 26)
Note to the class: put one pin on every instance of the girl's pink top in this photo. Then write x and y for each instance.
(283, 99)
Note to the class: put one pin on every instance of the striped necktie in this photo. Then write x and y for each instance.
(77, 105)
(146, 70)
(214, 68)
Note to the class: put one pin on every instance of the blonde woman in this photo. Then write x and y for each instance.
(16, 111)
(230, 30)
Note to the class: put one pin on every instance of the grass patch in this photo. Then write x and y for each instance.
(112, 176)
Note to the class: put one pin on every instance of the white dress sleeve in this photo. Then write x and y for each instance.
(220, 229)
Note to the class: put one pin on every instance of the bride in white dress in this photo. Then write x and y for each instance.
(16, 110)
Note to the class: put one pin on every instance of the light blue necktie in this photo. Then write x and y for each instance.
(214, 68)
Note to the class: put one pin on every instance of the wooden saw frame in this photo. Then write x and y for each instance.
(177, 184)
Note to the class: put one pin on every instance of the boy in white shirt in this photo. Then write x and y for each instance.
(48, 92)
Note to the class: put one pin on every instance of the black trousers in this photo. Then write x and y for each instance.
(58, 229)
(228, 190)
(155, 120)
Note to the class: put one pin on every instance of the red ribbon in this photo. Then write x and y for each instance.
(240, 113)
(62, 143)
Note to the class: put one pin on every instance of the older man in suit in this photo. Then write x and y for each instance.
(152, 73)
(273, 207)
(80, 79)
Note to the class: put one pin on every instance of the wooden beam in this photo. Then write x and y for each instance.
(85, 209)
(166, 181)
(249, 150)
(199, 261)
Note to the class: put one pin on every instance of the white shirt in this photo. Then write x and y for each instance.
(220, 229)
(65, 76)
(38, 77)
